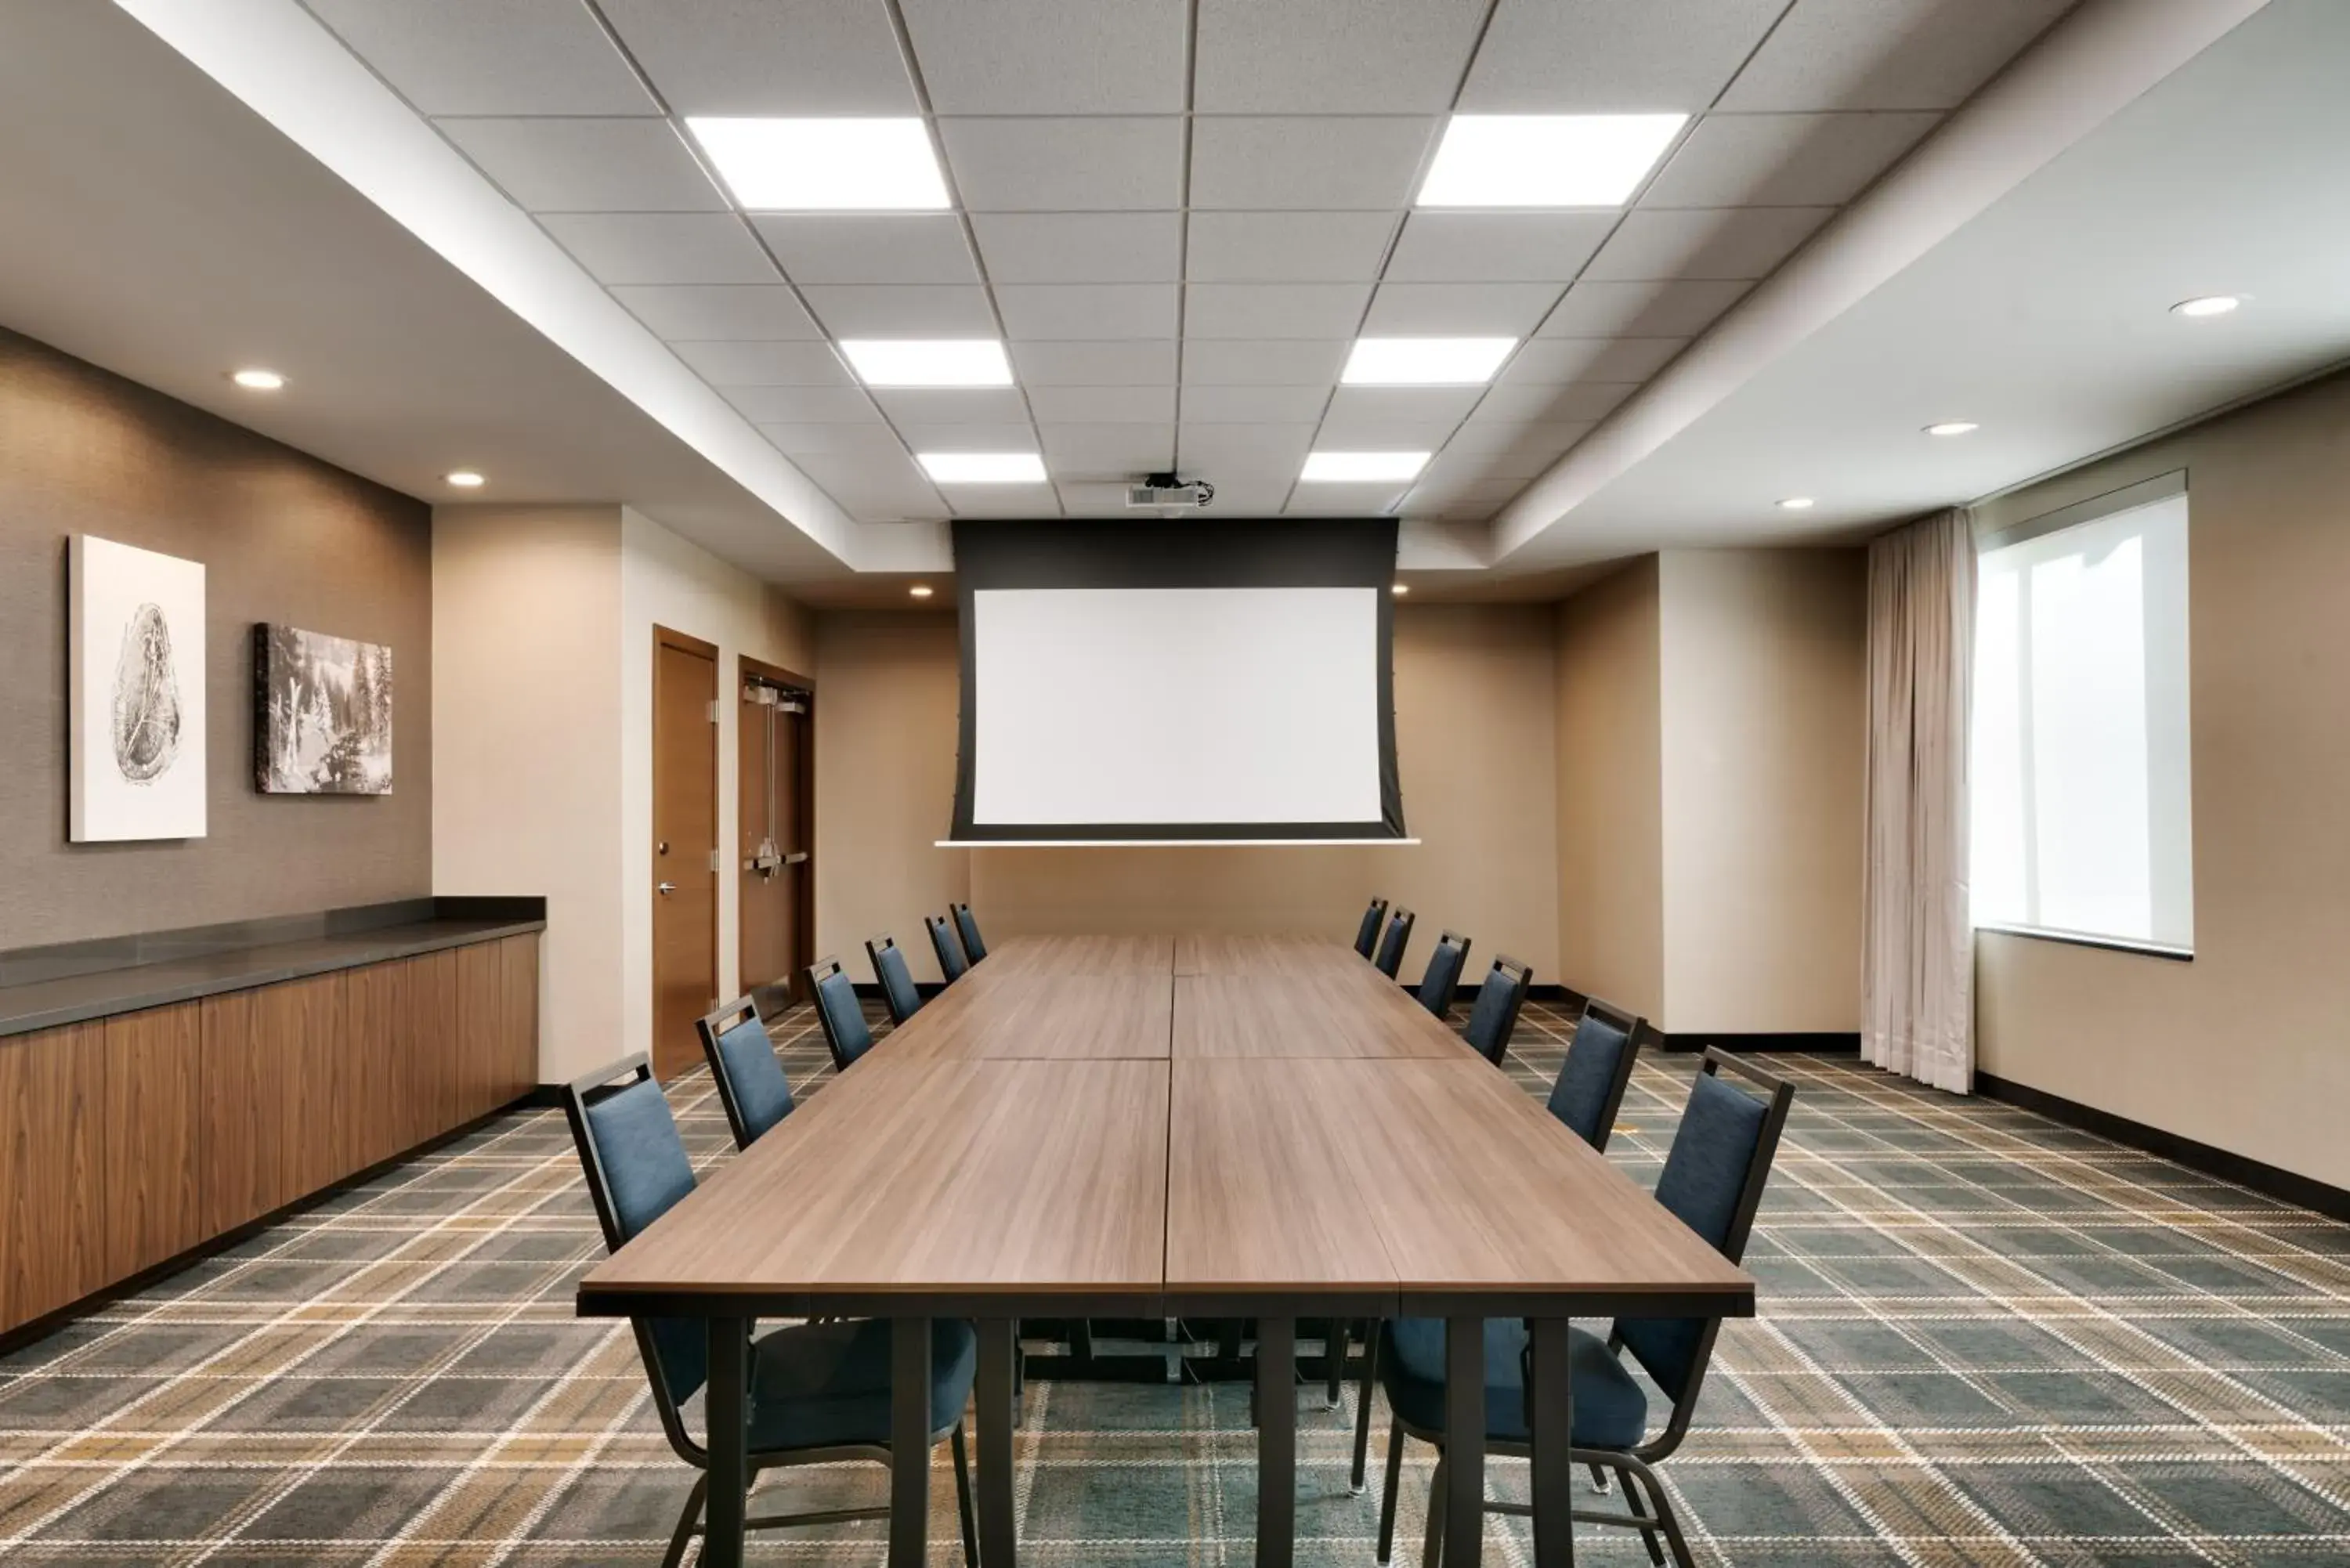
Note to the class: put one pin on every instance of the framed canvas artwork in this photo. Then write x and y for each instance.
(322, 713)
(135, 659)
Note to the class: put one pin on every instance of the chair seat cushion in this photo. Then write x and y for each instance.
(815, 1386)
(1610, 1411)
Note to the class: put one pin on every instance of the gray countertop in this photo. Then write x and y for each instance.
(48, 1003)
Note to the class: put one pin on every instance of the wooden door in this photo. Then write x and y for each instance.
(685, 846)
(773, 863)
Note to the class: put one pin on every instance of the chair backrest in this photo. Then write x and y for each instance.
(1589, 1089)
(837, 1009)
(942, 942)
(897, 981)
(1443, 973)
(967, 928)
(1712, 1181)
(1390, 958)
(1493, 1016)
(1366, 935)
(752, 1088)
(637, 1170)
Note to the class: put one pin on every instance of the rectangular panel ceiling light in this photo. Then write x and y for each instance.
(1545, 160)
(928, 362)
(983, 467)
(1425, 362)
(1362, 467)
(824, 165)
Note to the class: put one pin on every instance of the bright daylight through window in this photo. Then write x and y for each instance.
(2081, 813)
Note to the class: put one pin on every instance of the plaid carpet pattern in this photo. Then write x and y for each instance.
(1986, 1339)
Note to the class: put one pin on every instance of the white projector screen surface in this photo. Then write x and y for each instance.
(1174, 706)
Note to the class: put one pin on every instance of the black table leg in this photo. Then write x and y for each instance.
(1464, 1441)
(1550, 1410)
(909, 1441)
(997, 1349)
(726, 1408)
(1276, 1441)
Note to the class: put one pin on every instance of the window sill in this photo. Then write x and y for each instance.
(2086, 940)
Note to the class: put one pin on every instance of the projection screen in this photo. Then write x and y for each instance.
(1177, 681)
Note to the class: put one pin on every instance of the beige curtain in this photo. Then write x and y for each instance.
(1918, 964)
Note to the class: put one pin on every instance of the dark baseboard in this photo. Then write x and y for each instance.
(1820, 1045)
(2268, 1180)
(49, 1323)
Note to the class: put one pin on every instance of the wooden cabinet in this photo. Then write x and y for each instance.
(126, 1141)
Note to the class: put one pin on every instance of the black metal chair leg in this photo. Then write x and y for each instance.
(1334, 1352)
(1598, 1480)
(686, 1523)
(1664, 1510)
(1388, 1498)
(962, 1498)
(1431, 1552)
(1363, 1409)
(1640, 1510)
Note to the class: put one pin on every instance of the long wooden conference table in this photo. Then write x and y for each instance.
(1149, 1127)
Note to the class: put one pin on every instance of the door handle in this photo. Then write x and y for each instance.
(796, 857)
(666, 888)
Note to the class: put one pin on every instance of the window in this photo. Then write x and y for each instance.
(2081, 819)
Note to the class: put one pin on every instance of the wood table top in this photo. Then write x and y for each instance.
(1076, 955)
(1317, 1012)
(959, 1187)
(1264, 955)
(1045, 1015)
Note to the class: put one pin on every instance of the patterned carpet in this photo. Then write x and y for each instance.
(1986, 1339)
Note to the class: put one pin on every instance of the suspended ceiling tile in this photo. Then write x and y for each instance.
(1050, 57)
(765, 364)
(1139, 363)
(1103, 405)
(1107, 451)
(1003, 500)
(460, 56)
(1497, 247)
(1430, 406)
(905, 310)
(1783, 160)
(711, 311)
(1729, 244)
(1305, 162)
(1510, 438)
(1656, 308)
(1332, 57)
(837, 440)
(1274, 310)
(1081, 247)
(1459, 310)
(1217, 362)
(869, 247)
(581, 165)
(1518, 407)
(1277, 405)
(1288, 247)
(1556, 362)
(767, 57)
(1350, 432)
(958, 435)
(1612, 56)
(1250, 449)
(801, 405)
(661, 247)
(1886, 54)
(1067, 163)
(953, 405)
(1062, 311)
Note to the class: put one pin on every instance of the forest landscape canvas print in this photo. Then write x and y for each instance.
(322, 718)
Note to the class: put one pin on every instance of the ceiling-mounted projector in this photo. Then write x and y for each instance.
(1164, 491)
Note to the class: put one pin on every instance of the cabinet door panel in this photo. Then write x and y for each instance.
(377, 1111)
(52, 1219)
(518, 1032)
(430, 1044)
(480, 1011)
(240, 1089)
(151, 1137)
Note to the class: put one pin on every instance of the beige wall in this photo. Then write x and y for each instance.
(1610, 798)
(283, 539)
(2246, 1047)
(1763, 674)
(1473, 711)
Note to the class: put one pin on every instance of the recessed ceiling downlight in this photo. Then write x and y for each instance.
(1952, 428)
(255, 379)
(2207, 304)
(1797, 504)
(466, 479)
(919, 590)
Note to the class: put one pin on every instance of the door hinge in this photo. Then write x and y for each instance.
(714, 860)
(714, 710)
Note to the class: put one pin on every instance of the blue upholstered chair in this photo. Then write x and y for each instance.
(752, 1088)
(819, 1391)
(1389, 962)
(1589, 1089)
(895, 980)
(952, 964)
(1366, 935)
(967, 928)
(1713, 1180)
(840, 1014)
(1443, 973)
(1493, 1016)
